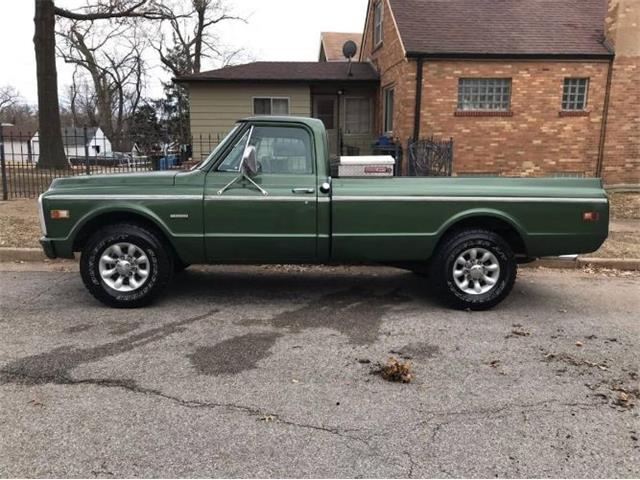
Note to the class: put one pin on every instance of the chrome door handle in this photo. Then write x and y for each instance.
(303, 190)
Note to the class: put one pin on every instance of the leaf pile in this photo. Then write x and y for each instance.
(395, 371)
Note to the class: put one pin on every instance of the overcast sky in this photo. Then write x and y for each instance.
(276, 30)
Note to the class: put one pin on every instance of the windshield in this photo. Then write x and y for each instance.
(220, 146)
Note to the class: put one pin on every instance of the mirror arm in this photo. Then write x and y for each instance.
(242, 176)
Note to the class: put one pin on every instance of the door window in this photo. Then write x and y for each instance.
(279, 150)
(325, 111)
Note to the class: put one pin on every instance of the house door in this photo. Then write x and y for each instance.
(325, 108)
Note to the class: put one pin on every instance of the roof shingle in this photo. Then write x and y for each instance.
(288, 72)
(502, 27)
(332, 43)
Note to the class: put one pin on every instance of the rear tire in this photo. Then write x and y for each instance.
(473, 270)
(126, 265)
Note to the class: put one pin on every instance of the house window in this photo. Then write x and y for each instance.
(484, 94)
(270, 106)
(574, 93)
(389, 94)
(325, 111)
(357, 115)
(377, 24)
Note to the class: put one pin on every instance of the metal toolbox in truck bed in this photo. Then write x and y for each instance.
(366, 166)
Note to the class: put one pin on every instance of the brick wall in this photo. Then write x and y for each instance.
(622, 147)
(534, 139)
(395, 71)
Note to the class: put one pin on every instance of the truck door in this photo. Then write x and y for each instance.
(241, 223)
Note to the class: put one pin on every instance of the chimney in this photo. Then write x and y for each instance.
(622, 27)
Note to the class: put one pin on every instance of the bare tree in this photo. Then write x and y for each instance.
(81, 104)
(9, 97)
(112, 58)
(192, 39)
(45, 48)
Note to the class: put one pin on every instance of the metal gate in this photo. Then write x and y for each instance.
(430, 157)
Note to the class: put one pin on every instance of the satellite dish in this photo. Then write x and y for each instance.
(349, 49)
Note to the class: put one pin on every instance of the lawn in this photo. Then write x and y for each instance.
(19, 226)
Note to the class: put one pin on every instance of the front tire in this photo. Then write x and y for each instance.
(126, 265)
(474, 270)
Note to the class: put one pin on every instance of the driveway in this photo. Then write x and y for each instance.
(267, 372)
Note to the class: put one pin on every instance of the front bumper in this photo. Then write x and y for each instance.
(48, 247)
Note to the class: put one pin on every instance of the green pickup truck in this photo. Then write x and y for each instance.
(265, 195)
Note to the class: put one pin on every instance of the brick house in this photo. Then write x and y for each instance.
(524, 87)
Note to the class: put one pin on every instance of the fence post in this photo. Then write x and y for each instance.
(5, 184)
(86, 150)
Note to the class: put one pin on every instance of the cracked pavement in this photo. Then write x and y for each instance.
(266, 372)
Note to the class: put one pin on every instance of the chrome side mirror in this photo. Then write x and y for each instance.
(249, 161)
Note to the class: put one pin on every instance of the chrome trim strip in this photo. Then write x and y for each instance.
(43, 223)
(393, 198)
(382, 234)
(124, 197)
(260, 235)
(179, 215)
(256, 198)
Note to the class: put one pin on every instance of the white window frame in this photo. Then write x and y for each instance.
(385, 92)
(271, 99)
(569, 103)
(369, 120)
(378, 23)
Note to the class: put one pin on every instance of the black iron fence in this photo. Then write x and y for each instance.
(25, 172)
(430, 157)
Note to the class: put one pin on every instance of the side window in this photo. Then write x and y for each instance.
(279, 150)
(283, 150)
(377, 24)
(574, 94)
(232, 161)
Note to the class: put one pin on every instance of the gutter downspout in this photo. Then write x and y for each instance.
(605, 117)
(418, 105)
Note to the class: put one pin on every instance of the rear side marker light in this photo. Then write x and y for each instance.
(590, 216)
(59, 214)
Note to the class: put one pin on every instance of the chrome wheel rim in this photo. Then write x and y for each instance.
(124, 267)
(476, 271)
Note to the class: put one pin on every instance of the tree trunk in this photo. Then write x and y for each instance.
(50, 132)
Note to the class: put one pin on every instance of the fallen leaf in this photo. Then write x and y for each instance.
(395, 371)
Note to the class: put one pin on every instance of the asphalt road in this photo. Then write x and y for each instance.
(265, 372)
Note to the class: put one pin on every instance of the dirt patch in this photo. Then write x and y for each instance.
(19, 224)
(234, 355)
(619, 245)
(625, 205)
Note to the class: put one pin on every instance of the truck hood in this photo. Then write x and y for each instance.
(118, 180)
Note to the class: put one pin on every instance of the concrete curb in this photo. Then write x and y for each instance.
(37, 255)
(581, 262)
(22, 255)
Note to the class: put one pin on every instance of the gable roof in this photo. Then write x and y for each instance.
(331, 44)
(287, 72)
(74, 136)
(564, 28)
